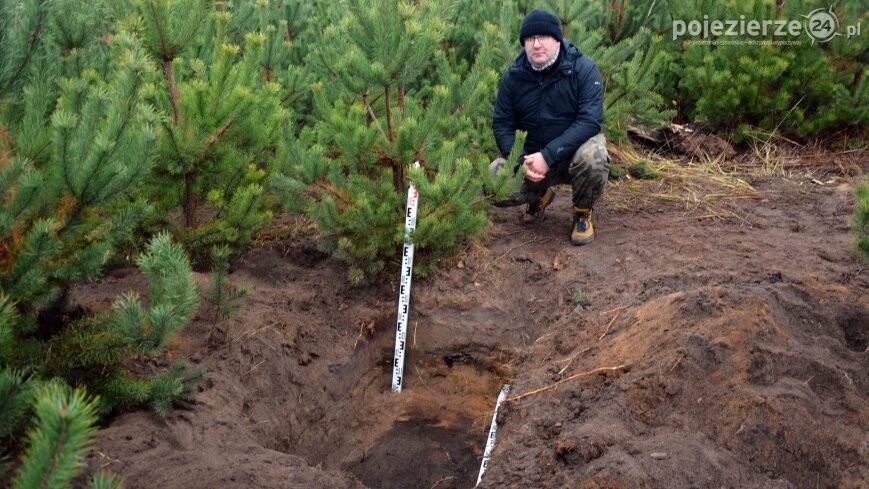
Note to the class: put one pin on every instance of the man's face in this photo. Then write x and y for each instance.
(540, 49)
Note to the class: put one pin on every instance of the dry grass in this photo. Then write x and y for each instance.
(768, 159)
(774, 155)
(703, 185)
(285, 226)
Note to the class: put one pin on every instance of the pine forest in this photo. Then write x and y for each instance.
(175, 141)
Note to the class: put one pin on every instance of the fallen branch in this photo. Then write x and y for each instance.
(422, 381)
(609, 325)
(572, 377)
(361, 330)
(534, 240)
(252, 369)
(616, 309)
(571, 360)
(443, 479)
(676, 364)
(364, 327)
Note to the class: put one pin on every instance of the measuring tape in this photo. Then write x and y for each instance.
(404, 288)
(490, 442)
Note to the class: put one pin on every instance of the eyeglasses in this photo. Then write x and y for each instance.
(530, 40)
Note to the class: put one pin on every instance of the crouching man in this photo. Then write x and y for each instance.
(554, 93)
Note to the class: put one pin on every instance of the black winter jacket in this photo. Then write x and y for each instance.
(560, 108)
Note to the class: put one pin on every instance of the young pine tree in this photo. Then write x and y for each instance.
(795, 90)
(76, 145)
(630, 57)
(66, 206)
(64, 421)
(386, 96)
(284, 26)
(222, 298)
(223, 115)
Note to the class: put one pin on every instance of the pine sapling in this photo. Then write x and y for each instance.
(387, 94)
(105, 480)
(223, 114)
(223, 298)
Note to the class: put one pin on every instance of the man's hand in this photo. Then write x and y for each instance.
(535, 167)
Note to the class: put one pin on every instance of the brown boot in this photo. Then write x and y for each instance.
(534, 211)
(582, 231)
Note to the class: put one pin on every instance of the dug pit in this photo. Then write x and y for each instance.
(746, 347)
(431, 434)
(333, 392)
(331, 401)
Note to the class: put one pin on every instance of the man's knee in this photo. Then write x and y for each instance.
(591, 158)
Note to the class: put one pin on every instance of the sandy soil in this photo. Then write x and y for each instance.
(736, 348)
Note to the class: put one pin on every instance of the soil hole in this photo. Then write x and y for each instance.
(420, 453)
(855, 325)
(432, 434)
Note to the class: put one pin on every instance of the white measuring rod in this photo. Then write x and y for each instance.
(490, 442)
(404, 288)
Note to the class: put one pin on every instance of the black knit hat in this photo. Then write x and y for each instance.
(540, 23)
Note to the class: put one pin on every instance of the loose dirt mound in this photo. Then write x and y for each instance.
(735, 386)
(738, 347)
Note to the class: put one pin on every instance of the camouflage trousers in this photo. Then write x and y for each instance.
(587, 174)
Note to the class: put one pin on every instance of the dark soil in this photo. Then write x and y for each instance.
(737, 350)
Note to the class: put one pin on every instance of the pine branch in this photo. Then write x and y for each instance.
(190, 203)
(566, 379)
(161, 36)
(390, 128)
(64, 133)
(27, 184)
(65, 421)
(32, 43)
(214, 139)
(7, 335)
(401, 101)
(373, 116)
(176, 149)
(16, 393)
(174, 95)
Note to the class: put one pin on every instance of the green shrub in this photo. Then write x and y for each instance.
(387, 96)
(78, 143)
(222, 114)
(795, 90)
(618, 36)
(642, 171)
